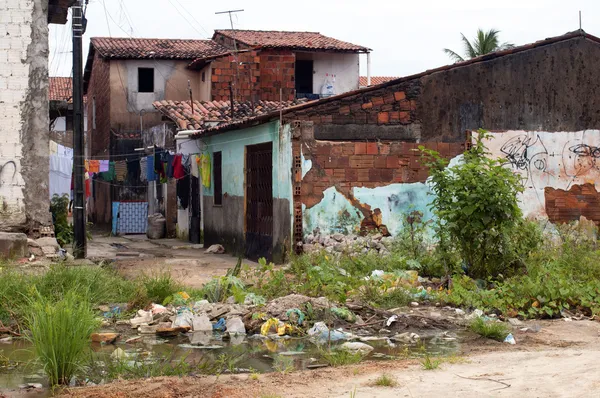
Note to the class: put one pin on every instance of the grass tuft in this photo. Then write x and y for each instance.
(160, 286)
(337, 358)
(491, 330)
(385, 381)
(60, 334)
(429, 363)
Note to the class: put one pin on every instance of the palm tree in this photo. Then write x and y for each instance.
(484, 43)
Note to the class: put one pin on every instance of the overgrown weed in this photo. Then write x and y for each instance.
(430, 363)
(60, 333)
(492, 329)
(337, 358)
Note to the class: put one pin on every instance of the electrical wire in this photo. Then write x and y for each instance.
(184, 17)
(194, 18)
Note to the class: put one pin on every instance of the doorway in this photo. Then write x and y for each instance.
(259, 201)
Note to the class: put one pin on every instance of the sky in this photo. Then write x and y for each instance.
(407, 37)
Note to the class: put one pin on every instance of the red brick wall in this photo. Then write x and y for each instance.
(346, 165)
(226, 71)
(277, 70)
(228, 42)
(580, 200)
(99, 88)
(258, 78)
(391, 105)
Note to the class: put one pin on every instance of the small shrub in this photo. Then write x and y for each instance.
(385, 381)
(429, 363)
(337, 358)
(491, 330)
(476, 202)
(160, 286)
(60, 333)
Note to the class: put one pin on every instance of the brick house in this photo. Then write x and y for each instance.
(298, 63)
(60, 95)
(24, 165)
(125, 76)
(347, 163)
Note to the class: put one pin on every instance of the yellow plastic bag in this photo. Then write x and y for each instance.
(272, 323)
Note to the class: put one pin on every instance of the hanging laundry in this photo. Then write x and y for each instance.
(205, 169)
(110, 174)
(88, 191)
(94, 166)
(151, 175)
(86, 164)
(144, 169)
(158, 163)
(104, 165)
(133, 171)
(195, 166)
(178, 171)
(120, 170)
(53, 148)
(185, 162)
(183, 191)
(163, 177)
(170, 159)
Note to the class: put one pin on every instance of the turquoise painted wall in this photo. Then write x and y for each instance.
(232, 146)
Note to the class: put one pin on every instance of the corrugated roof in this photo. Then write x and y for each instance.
(376, 80)
(291, 40)
(132, 48)
(214, 113)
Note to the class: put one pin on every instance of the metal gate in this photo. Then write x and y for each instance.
(259, 201)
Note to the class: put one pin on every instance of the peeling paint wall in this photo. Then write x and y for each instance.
(358, 187)
(24, 120)
(560, 171)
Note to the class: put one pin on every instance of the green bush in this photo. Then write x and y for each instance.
(476, 203)
(60, 334)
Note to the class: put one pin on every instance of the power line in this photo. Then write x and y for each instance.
(184, 17)
(192, 15)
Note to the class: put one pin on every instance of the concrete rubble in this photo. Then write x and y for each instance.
(351, 244)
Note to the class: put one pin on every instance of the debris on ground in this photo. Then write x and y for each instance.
(357, 348)
(215, 249)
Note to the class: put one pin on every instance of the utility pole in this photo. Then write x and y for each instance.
(235, 49)
(80, 244)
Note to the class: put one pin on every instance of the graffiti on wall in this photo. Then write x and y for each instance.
(5, 170)
(553, 165)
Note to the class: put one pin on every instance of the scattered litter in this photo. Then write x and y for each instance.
(220, 325)
(184, 319)
(180, 298)
(6, 340)
(31, 386)
(200, 338)
(356, 347)
(459, 311)
(295, 315)
(515, 322)
(344, 313)
(215, 249)
(158, 309)
(105, 338)
(510, 339)
(407, 337)
(390, 320)
(414, 304)
(531, 329)
(321, 332)
(202, 347)
(235, 326)
(291, 353)
(201, 323)
(118, 354)
(133, 340)
(143, 317)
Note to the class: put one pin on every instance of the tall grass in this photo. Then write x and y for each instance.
(160, 286)
(491, 330)
(60, 333)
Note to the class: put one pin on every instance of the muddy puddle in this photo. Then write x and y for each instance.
(241, 354)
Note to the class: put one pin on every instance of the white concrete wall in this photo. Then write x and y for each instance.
(345, 67)
(23, 111)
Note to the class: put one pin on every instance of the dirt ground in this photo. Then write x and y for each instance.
(135, 255)
(561, 360)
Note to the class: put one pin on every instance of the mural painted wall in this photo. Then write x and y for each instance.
(560, 170)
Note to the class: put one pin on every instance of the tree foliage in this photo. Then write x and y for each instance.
(484, 43)
(476, 204)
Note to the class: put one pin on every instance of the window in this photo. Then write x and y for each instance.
(203, 76)
(145, 80)
(217, 173)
